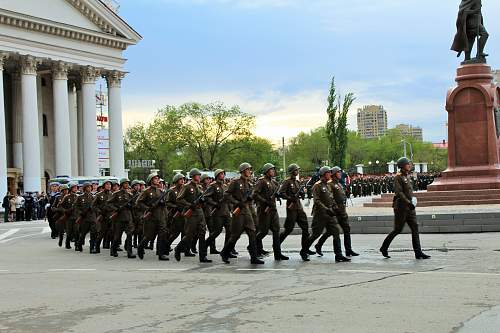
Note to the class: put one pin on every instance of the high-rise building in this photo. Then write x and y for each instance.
(372, 121)
(410, 131)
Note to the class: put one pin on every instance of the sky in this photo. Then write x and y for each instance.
(276, 58)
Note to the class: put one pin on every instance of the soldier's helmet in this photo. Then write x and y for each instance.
(142, 182)
(204, 176)
(86, 184)
(336, 169)
(64, 187)
(54, 184)
(244, 166)
(293, 167)
(150, 178)
(124, 180)
(267, 167)
(107, 181)
(135, 182)
(194, 172)
(218, 172)
(72, 184)
(403, 161)
(324, 170)
(176, 177)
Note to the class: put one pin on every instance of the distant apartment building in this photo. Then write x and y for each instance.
(410, 131)
(372, 121)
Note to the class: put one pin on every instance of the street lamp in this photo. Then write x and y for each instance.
(377, 162)
(370, 165)
(411, 148)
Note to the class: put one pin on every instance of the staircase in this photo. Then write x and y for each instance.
(445, 198)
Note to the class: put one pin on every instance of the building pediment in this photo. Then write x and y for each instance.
(85, 20)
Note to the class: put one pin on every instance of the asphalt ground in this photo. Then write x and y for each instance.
(45, 288)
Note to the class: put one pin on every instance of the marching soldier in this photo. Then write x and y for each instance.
(293, 192)
(324, 216)
(59, 212)
(121, 204)
(219, 209)
(102, 210)
(175, 212)
(341, 213)
(69, 217)
(152, 200)
(137, 213)
(240, 196)
(85, 218)
(191, 198)
(404, 210)
(265, 194)
(51, 214)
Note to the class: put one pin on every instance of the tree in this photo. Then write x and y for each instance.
(336, 126)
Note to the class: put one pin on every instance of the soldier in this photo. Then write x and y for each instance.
(51, 215)
(121, 203)
(205, 181)
(265, 194)
(293, 192)
(102, 210)
(239, 194)
(324, 216)
(67, 205)
(95, 187)
(153, 201)
(137, 213)
(85, 218)
(59, 212)
(404, 210)
(341, 214)
(219, 209)
(191, 197)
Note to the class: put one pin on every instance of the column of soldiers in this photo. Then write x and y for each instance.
(363, 186)
(151, 210)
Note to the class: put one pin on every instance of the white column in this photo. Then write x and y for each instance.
(17, 121)
(79, 120)
(73, 125)
(89, 76)
(3, 137)
(31, 138)
(62, 133)
(116, 153)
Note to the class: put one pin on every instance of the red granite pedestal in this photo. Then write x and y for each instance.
(474, 143)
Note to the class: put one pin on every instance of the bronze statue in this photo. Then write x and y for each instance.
(470, 25)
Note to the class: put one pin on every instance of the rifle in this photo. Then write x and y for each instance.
(274, 195)
(247, 197)
(62, 220)
(148, 213)
(79, 219)
(300, 194)
(197, 201)
(116, 212)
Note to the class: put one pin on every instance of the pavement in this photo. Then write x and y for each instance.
(45, 288)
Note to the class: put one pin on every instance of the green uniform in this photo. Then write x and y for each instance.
(176, 220)
(290, 191)
(137, 215)
(67, 205)
(220, 212)
(86, 218)
(103, 223)
(121, 203)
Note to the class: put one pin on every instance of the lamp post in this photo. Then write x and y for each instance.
(377, 163)
(404, 142)
(370, 166)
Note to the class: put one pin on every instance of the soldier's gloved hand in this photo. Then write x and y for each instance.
(330, 212)
(411, 206)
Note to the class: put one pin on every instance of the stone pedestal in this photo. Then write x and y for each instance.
(473, 130)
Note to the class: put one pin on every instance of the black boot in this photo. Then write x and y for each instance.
(68, 243)
(92, 246)
(348, 246)
(318, 250)
(337, 248)
(278, 255)
(161, 245)
(140, 249)
(421, 255)
(135, 241)
(188, 253)
(204, 259)
(61, 236)
(213, 248)
(256, 261)
(128, 247)
(341, 258)
(114, 250)
(98, 246)
(304, 255)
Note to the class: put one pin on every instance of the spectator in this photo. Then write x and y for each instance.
(6, 207)
(12, 203)
(19, 208)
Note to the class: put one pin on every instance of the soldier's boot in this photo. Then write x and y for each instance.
(193, 245)
(253, 251)
(213, 247)
(225, 254)
(114, 249)
(140, 249)
(337, 248)
(106, 243)
(178, 250)
(348, 246)
(304, 255)
(68, 242)
(135, 241)
(278, 255)
(187, 252)
(92, 246)
(319, 244)
(98, 246)
(161, 245)
(61, 237)
(128, 247)
(417, 248)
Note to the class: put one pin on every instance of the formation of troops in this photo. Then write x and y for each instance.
(363, 186)
(151, 211)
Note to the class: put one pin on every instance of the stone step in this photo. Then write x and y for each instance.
(451, 193)
(449, 202)
(430, 198)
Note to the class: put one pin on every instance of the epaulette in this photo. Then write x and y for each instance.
(318, 182)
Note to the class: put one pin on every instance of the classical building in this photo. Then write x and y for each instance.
(372, 121)
(410, 131)
(51, 54)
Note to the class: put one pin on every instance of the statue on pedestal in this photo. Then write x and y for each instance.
(470, 25)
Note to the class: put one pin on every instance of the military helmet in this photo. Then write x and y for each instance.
(244, 166)
(293, 167)
(204, 176)
(64, 187)
(218, 172)
(267, 167)
(107, 181)
(403, 161)
(135, 182)
(150, 178)
(54, 184)
(194, 172)
(162, 181)
(177, 177)
(86, 184)
(124, 180)
(335, 169)
(142, 182)
(72, 184)
(324, 170)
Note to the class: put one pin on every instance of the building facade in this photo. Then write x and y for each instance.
(372, 121)
(51, 54)
(410, 131)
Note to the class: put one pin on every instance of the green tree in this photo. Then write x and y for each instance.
(336, 126)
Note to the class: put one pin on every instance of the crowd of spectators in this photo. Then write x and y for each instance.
(24, 207)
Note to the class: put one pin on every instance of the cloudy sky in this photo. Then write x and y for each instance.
(275, 58)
